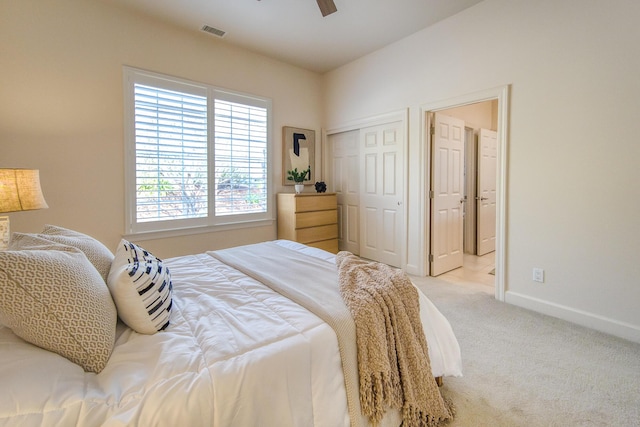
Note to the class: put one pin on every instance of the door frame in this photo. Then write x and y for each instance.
(500, 93)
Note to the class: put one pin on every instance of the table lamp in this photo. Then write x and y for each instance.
(19, 191)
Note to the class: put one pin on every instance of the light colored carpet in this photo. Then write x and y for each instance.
(525, 369)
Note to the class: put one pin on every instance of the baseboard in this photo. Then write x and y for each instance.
(590, 320)
(412, 269)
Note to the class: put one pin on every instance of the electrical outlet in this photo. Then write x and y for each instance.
(538, 275)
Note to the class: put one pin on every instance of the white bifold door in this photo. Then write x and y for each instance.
(447, 194)
(344, 179)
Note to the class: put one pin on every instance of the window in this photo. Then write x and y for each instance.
(196, 155)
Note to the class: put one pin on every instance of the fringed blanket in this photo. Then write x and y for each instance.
(393, 359)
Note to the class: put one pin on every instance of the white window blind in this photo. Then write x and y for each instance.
(240, 158)
(197, 156)
(171, 154)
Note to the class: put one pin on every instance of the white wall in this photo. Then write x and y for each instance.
(61, 107)
(573, 184)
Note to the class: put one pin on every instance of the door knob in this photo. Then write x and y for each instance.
(482, 198)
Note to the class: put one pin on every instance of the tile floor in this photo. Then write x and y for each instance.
(475, 270)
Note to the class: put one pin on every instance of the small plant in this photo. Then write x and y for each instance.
(298, 177)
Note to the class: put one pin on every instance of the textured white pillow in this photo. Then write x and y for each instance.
(99, 255)
(57, 300)
(141, 287)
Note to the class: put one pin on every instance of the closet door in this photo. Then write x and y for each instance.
(344, 180)
(382, 214)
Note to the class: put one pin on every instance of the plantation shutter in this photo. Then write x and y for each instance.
(171, 154)
(196, 156)
(241, 130)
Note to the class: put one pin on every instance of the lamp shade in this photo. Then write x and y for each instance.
(20, 190)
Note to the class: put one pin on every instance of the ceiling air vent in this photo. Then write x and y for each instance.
(212, 30)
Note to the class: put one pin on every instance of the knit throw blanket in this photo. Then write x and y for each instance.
(393, 360)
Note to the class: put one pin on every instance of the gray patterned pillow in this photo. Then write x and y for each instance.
(99, 255)
(23, 241)
(141, 288)
(57, 300)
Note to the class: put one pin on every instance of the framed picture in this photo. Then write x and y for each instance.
(298, 152)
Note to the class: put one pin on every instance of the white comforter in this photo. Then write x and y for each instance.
(236, 354)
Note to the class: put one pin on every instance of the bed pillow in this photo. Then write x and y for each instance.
(24, 241)
(141, 288)
(56, 299)
(99, 255)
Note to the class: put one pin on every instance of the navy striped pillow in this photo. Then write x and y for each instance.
(141, 287)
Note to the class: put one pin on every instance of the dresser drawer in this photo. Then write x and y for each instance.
(312, 219)
(316, 203)
(327, 245)
(314, 234)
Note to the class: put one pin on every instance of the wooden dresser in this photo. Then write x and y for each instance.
(309, 218)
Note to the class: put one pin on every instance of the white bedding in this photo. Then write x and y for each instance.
(235, 352)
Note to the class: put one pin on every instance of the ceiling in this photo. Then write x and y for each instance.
(295, 32)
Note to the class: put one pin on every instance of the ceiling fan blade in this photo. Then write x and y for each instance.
(327, 7)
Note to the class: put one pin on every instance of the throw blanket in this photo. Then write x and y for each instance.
(393, 359)
(311, 283)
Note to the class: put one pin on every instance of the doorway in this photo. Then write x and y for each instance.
(500, 97)
(477, 271)
(478, 175)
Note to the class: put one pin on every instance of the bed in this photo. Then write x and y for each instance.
(233, 352)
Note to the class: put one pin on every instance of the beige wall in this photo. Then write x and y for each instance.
(477, 115)
(573, 184)
(61, 107)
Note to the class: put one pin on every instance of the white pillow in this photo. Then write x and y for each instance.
(99, 255)
(54, 298)
(141, 287)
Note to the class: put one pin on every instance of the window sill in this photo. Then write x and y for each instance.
(153, 235)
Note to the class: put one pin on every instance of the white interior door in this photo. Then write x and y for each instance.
(447, 194)
(469, 218)
(344, 181)
(486, 194)
(382, 193)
